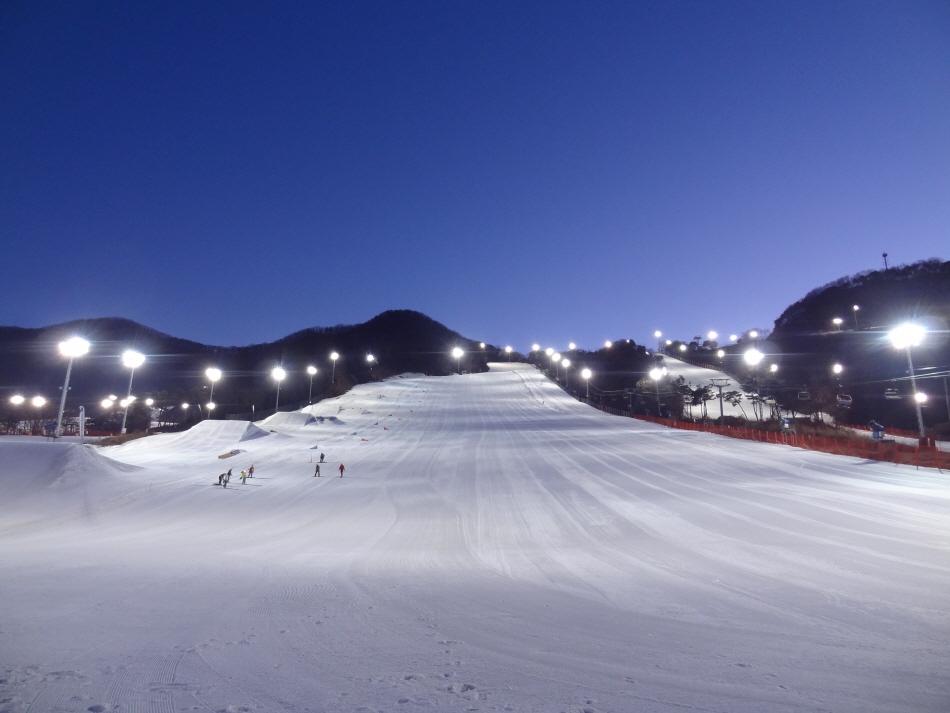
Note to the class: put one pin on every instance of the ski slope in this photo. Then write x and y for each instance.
(494, 545)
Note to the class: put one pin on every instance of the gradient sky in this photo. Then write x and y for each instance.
(233, 172)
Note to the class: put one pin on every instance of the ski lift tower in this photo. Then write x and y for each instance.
(720, 384)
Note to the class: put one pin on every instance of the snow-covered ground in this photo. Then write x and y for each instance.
(494, 545)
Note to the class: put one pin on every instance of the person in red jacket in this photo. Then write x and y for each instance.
(342, 468)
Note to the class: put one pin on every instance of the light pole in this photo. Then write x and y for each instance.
(556, 358)
(73, 347)
(333, 357)
(508, 352)
(752, 358)
(312, 370)
(720, 384)
(131, 359)
(213, 375)
(457, 353)
(586, 373)
(855, 310)
(656, 374)
(566, 363)
(278, 374)
(837, 322)
(904, 337)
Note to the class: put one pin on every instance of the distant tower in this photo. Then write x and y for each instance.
(884, 255)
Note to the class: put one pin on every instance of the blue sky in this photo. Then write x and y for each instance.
(233, 172)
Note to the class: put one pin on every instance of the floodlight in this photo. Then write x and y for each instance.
(907, 335)
(278, 373)
(132, 359)
(555, 357)
(721, 353)
(457, 352)
(106, 403)
(508, 350)
(920, 397)
(572, 346)
(682, 347)
(566, 362)
(38, 401)
(733, 337)
(149, 402)
(754, 334)
(311, 370)
(17, 399)
(549, 351)
(753, 357)
(334, 356)
(535, 347)
(773, 368)
(656, 374)
(213, 373)
(74, 347)
(587, 373)
(837, 368)
(658, 334)
(713, 335)
(211, 405)
(184, 406)
(370, 358)
(481, 344)
(669, 342)
(608, 344)
(837, 320)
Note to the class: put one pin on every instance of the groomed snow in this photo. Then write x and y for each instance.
(500, 547)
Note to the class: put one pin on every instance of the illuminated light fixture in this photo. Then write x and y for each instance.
(773, 368)
(754, 334)
(753, 357)
(669, 342)
(658, 334)
(535, 347)
(184, 406)
(907, 335)
(149, 402)
(556, 357)
(17, 399)
(733, 337)
(72, 348)
(549, 351)
(457, 353)
(333, 357)
(656, 374)
(38, 401)
(106, 403)
(920, 397)
(278, 374)
(572, 346)
(211, 405)
(481, 344)
(587, 373)
(682, 347)
(837, 368)
(721, 353)
(312, 370)
(608, 344)
(566, 362)
(712, 335)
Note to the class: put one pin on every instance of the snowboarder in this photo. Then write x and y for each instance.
(342, 468)
(221, 479)
(316, 473)
(227, 478)
(321, 458)
(243, 477)
(877, 430)
(250, 471)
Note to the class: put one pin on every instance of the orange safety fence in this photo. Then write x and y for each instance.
(921, 456)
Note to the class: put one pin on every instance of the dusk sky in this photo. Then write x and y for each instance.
(550, 172)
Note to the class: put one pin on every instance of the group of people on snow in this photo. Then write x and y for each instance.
(225, 478)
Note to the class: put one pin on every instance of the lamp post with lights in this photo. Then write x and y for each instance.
(508, 352)
(312, 370)
(333, 357)
(133, 360)
(457, 353)
(656, 374)
(587, 373)
(904, 337)
(278, 375)
(73, 347)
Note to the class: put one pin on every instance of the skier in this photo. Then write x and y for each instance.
(250, 471)
(221, 479)
(316, 473)
(342, 468)
(243, 477)
(321, 458)
(227, 478)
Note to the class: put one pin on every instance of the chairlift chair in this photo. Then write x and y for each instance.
(845, 401)
(804, 396)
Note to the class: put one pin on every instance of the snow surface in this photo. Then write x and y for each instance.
(500, 547)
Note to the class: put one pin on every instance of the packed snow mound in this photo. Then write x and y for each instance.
(287, 418)
(210, 436)
(509, 366)
(54, 478)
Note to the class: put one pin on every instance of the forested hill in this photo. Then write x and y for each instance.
(919, 291)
